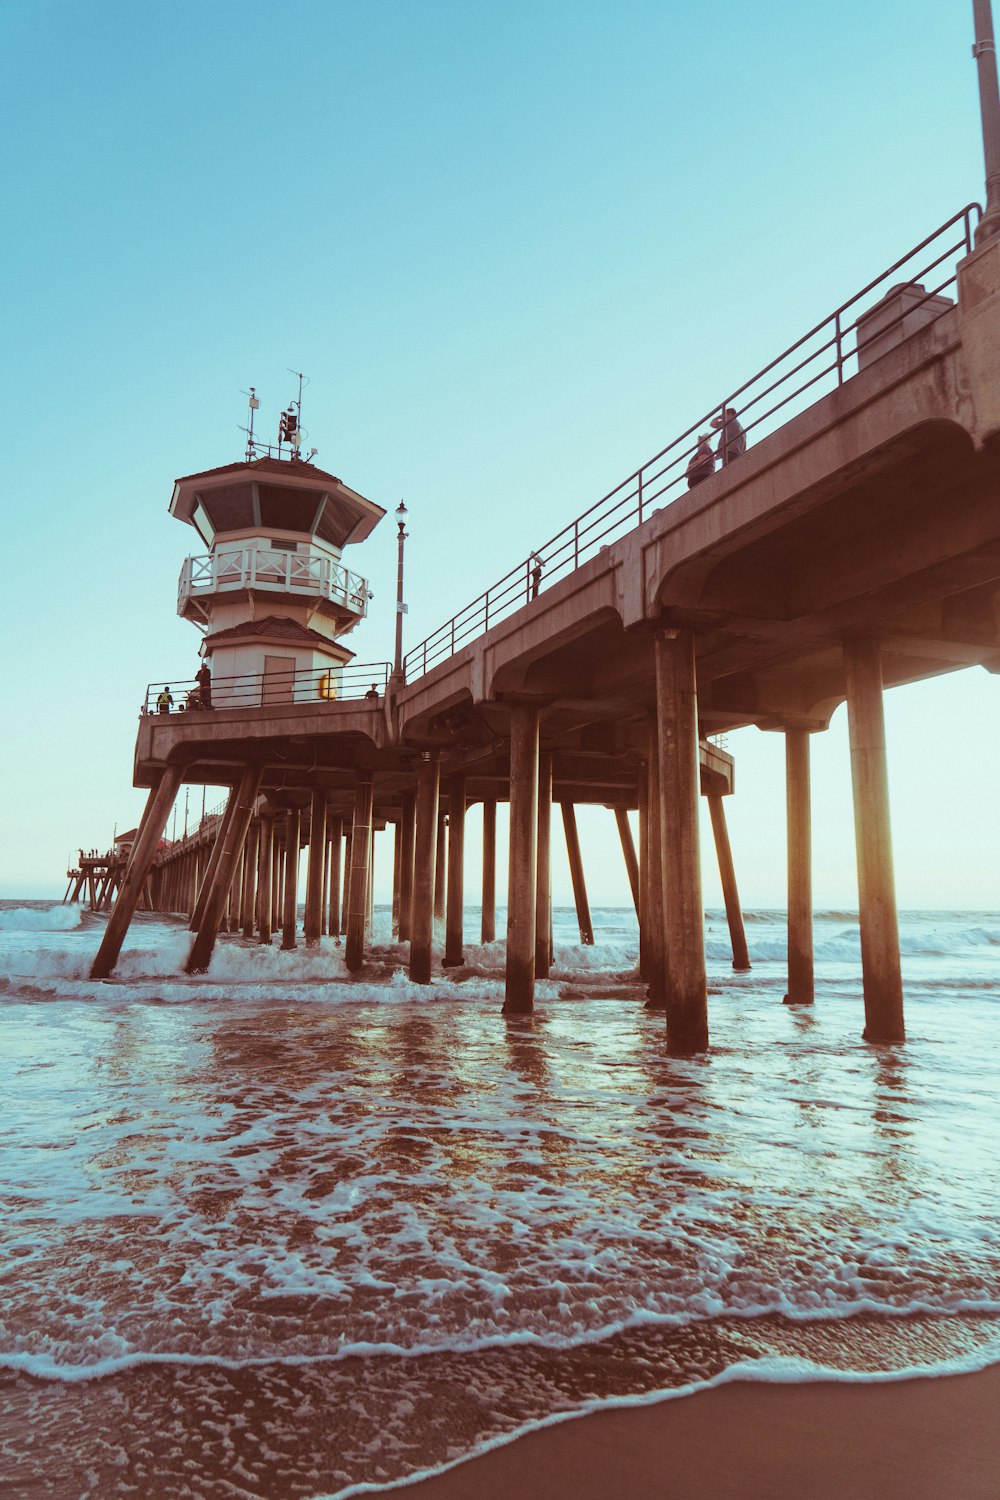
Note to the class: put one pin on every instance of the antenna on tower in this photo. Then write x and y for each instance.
(290, 428)
(251, 396)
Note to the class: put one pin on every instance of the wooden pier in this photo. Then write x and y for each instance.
(854, 545)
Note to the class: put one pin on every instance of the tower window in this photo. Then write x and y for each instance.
(278, 544)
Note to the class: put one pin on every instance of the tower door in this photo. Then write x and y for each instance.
(279, 679)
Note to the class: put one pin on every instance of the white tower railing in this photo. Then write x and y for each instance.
(270, 569)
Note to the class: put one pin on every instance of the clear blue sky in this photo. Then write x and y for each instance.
(516, 247)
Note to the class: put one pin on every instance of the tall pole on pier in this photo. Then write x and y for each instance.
(985, 52)
(397, 666)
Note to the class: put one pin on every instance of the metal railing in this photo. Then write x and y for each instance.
(265, 568)
(264, 689)
(817, 363)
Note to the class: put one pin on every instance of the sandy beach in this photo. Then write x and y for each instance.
(919, 1439)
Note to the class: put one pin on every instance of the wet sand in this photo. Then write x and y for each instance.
(923, 1439)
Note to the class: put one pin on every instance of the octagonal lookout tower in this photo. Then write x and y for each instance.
(271, 592)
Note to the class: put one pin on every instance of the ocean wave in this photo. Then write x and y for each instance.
(35, 919)
(47, 1366)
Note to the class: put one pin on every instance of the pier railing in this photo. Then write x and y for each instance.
(262, 689)
(274, 569)
(814, 365)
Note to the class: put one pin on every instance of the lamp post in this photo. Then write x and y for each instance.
(984, 51)
(400, 606)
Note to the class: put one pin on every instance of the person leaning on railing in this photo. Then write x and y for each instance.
(732, 438)
(701, 464)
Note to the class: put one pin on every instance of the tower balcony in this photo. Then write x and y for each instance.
(269, 572)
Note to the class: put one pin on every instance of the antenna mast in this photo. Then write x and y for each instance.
(251, 452)
(290, 421)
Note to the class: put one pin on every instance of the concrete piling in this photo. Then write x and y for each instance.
(250, 878)
(576, 874)
(488, 923)
(727, 875)
(454, 934)
(520, 976)
(358, 877)
(425, 853)
(265, 871)
(407, 829)
(883, 985)
(197, 915)
(440, 865)
(148, 835)
(801, 987)
(684, 923)
(243, 800)
(543, 869)
(628, 853)
(290, 888)
(313, 926)
(656, 978)
(335, 827)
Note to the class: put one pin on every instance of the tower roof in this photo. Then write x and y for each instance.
(271, 494)
(277, 628)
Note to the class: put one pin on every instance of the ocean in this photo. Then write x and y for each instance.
(280, 1233)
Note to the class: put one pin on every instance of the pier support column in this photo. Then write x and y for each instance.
(335, 828)
(407, 828)
(656, 978)
(628, 853)
(325, 898)
(543, 869)
(314, 876)
(250, 878)
(453, 954)
(277, 877)
(150, 831)
(727, 874)
(234, 907)
(370, 888)
(520, 980)
(397, 855)
(358, 875)
(265, 870)
(425, 852)
(213, 861)
(683, 915)
(345, 900)
(244, 798)
(440, 865)
(576, 874)
(488, 924)
(801, 990)
(290, 890)
(645, 952)
(883, 983)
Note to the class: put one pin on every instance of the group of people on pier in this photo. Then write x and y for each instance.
(732, 444)
(199, 697)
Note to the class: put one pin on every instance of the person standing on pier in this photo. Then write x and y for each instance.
(203, 677)
(732, 438)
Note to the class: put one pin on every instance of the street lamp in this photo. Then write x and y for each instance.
(984, 51)
(400, 606)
